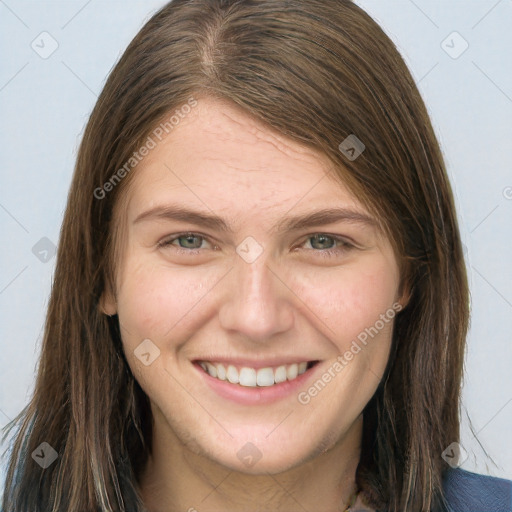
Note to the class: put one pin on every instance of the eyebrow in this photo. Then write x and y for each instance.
(288, 223)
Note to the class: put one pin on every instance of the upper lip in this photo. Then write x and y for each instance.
(255, 363)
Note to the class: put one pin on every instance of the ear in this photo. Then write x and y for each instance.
(405, 293)
(108, 304)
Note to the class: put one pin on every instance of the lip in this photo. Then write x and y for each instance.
(259, 394)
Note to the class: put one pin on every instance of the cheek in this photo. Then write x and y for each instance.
(154, 299)
(349, 301)
(355, 306)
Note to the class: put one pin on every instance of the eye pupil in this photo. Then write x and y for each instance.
(188, 239)
(322, 239)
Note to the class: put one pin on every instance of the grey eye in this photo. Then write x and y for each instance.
(323, 241)
(189, 241)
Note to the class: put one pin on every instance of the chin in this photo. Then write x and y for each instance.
(251, 453)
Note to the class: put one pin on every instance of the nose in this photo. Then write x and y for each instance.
(257, 304)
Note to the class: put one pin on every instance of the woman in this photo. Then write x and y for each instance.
(260, 300)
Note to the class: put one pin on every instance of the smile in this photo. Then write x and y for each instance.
(255, 377)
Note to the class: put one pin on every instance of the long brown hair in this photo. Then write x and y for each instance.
(317, 72)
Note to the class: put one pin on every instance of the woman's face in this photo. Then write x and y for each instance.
(228, 263)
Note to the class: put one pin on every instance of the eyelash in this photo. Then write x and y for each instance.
(325, 253)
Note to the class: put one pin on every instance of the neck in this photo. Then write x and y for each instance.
(177, 478)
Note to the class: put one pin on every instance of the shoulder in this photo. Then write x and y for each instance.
(471, 492)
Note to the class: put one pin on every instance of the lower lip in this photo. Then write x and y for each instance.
(247, 395)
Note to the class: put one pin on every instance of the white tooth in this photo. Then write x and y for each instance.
(221, 372)
(292, 371)
(232, 374)
(248, 377)
(211, 369)
(265, 377)
(280, 374)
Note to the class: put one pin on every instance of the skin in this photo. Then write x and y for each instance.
(289, 301)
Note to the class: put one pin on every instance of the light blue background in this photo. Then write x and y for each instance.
(45, 104)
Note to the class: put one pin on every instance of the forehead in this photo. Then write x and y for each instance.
(220, 127)
(219, 155)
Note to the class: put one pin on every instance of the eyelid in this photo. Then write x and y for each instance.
(345, 242)
(343, 246)
(338, 238)
(167, 240)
